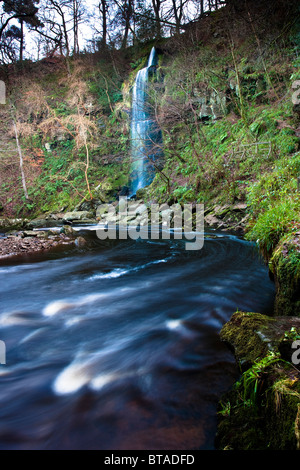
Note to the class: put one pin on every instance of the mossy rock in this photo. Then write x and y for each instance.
(109, 188)
(272, 423)
(262, 411)
(285, 266)
(7, 225)
(244, 335)
(78, 215)
(142, 194)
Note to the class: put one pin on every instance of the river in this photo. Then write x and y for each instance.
(116, 346)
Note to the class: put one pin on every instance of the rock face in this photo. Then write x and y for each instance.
(7, 225)
(262, 411)
(213, 104)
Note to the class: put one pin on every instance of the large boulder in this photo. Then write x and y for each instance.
(7, 225)
(78, 216)
(40, 223)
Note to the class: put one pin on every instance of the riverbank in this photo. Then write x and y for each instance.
(32, 242)
(23, 236)
(262, 410)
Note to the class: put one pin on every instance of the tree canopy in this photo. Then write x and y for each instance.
(66, 27)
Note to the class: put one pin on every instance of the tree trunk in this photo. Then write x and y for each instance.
(156, 7)
(21, 160)
(177, 21)
(128, 14)
(76, 26)
(22, 40)
(202, 7)
(103, 11)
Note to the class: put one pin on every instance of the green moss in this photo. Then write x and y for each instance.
(273, 423)
(285, 265)
(262, 409)
(248, 347)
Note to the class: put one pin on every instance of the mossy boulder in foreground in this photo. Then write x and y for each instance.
(262, 411)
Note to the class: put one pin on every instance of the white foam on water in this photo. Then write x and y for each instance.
(16, 269)
(7, 270)
(73, 321)
(12, 318)
(121, 272)
(71, 379)
(55, 307)
(84, 370)
(112, 275)
(78, 228)
(58, 306)
(158, 262)
(104, 379)
(173, 324)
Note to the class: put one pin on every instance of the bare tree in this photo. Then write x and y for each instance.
(125, 19)
(55, 17)
(101, 26)
(25, 12)
(178, 12)
(103, 10)
(21, 159)
(77, 12)
(157, 5)
(10, 45)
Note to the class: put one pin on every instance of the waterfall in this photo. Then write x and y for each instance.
(145, 134)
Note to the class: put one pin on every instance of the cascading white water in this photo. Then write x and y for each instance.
(144, 130)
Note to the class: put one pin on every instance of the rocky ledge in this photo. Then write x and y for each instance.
(26, 242)
(23, 236)
(262, 411)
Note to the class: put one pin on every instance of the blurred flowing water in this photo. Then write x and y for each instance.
(146, 137)
(117, 346)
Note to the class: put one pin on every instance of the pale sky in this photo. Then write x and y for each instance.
(86, 30)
